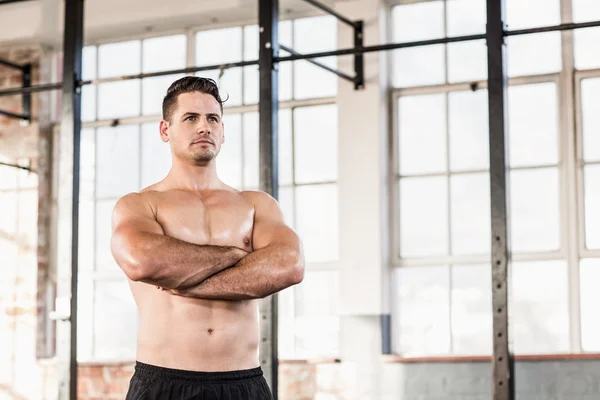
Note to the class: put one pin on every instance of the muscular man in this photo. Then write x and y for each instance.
(198, 255)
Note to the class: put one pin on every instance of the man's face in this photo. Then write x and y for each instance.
(196, 131)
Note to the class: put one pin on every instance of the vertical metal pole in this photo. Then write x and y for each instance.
(26, 97)
(502, 361)
(268, 21)
(359, 63)
(71, 125)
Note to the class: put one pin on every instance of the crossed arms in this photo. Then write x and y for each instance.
(146, 254)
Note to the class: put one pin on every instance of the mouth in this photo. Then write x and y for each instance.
(203, 141)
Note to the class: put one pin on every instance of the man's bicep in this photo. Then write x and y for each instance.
(269, 225)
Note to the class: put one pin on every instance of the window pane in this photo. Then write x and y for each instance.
(89, 63)
(286, 203)
(470, 202)
(222, 46)
(527, 14)
(586, 10)
(117, 59)
(419, 21)
(316, 311)
(8, 220)
(160, 54)
(533, 124)
(114, 306)
(229, 160)
(590, 298)
(104, 259)
(590, 98)
(117, 166)
(119, 99)
(471, 309)
(154, 90)
(539, 311)
(313, 35)
(156, 155)
(425, 65)
(85, 320)
(8, 175)
(423, 216)
(422, 134)
(467, 61)
(545, 59)
(421, 320)
(87, 164)
(586, 50)
(417, 66)
(316, 150)
(251, 150)
(219, 46)
(164, 53)
(251, 39)
(468, 126)
(87, 199)
(317, 221)
(88, 93)
(465, 17)
(88, 103)
(86, 235)
(534, 210)
(592, 206)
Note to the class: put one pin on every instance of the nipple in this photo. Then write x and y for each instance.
(246, 241)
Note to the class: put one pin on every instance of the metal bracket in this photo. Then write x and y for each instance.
(359, 64)
(25, 115)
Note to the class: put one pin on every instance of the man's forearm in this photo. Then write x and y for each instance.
(175, 264)
(259, 274)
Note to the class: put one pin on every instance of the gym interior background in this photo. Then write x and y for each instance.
(388, 187)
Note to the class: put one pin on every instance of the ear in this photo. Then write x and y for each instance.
(164, 131)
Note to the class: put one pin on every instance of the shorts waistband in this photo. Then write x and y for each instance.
(153, 372)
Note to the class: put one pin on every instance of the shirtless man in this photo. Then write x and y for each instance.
(198, 255)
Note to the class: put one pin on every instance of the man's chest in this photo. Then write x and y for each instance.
(220, 219)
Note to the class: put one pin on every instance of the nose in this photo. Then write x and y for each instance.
(203, 127)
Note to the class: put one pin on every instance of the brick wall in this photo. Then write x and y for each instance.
(22, 375)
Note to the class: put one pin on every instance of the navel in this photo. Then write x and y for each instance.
(210, 331)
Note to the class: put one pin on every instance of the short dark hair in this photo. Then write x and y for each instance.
(189, 84)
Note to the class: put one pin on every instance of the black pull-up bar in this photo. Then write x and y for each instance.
(332, 12)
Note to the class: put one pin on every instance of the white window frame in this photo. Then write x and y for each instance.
(570, 167)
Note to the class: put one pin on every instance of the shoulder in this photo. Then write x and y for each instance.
(259, 199)
(134, 203)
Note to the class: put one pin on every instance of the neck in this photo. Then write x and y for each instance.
(194, 177)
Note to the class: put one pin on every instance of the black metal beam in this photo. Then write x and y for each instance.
(502, 362)
(15, 115)
(331, 11)
(321, 65)
(3, 2)
(17, 166)
(71, 127)
(553, 28)
(9, 64)
(268, 110)
(381, 47)
(32, 89)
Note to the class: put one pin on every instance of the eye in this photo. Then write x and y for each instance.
(191, 118)
(213, 119)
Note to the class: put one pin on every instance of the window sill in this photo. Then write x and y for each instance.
(520, 357)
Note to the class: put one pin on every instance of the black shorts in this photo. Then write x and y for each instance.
(157, 383)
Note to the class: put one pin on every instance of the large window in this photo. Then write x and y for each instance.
(442, 276)
(118, 158)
